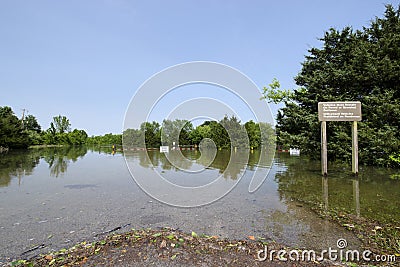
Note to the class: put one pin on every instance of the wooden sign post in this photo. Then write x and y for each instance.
(339, 111)
(324, 149)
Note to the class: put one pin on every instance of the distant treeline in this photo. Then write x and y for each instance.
(22, 133)
(107, 139)
(227, 133)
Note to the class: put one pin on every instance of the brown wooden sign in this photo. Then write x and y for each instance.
(339, 111)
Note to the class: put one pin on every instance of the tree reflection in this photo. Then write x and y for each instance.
(261, 158)
(59, 158)
(207, 158)
(231, 163)
(372, 195)
(17, 164)
(58, 164)
(20, 163)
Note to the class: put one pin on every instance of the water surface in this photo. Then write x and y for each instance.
(60, 196)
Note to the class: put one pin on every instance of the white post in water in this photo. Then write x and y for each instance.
(339, 111)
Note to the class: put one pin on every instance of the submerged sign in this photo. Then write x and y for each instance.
(339, 111)
(164, 149)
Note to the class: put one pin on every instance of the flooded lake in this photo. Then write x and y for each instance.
(52, 198)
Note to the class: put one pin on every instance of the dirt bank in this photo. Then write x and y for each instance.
(167, 247)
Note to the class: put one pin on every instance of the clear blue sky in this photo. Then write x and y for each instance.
(85, 59)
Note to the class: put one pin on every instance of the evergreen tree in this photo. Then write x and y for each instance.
(12, 134)
(362, 65)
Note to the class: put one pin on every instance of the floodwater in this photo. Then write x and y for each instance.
(53, 198)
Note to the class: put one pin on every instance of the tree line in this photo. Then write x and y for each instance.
(227, 133)
(22, 133)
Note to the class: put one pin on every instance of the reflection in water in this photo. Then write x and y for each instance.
(238, 158)
(325, 192)
(356, 196)
(58, 164)
(195, 160)
(373, 194)
(59, 158)
(17, 164)
(20, 163)
(97, 194)
(272, 212)
(190, 178)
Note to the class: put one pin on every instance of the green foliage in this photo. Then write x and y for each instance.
(152, 133)
(15, 134)
(133, 138)
(274, 94)
(237, 136)
(177, 131)
(12, 133)
(107, 139)
(199, 133)
(59, 133)
(35, 137)
(226, 133)
(60, 124)
(395, 157)
(230, 133)
(362, 65)
(77, 137)
(219, 135)
(31, 124)
(268, 136)
(48, 137)
(254, 133)
(185, 133)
